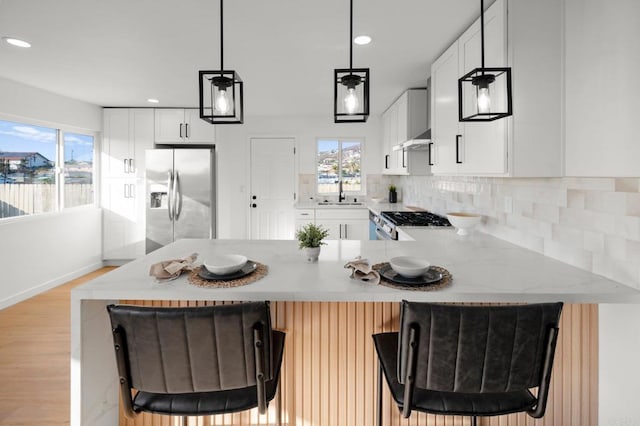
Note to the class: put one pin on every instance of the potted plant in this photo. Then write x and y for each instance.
(393, 195)
(310, 239)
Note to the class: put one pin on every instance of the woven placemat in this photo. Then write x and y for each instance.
(261, 271)
(444, 282)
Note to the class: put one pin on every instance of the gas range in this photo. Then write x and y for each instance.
(386, 222)
(421, 218)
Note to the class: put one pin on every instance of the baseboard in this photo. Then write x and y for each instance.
(26, 294)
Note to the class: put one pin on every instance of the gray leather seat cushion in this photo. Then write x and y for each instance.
(450, 403)
(205, 403)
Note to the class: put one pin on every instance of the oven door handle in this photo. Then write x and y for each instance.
(381, 235)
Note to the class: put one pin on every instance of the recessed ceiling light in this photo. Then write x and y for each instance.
(16, 42)
(152, 101)
(362, 40)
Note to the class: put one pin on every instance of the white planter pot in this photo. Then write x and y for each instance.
(311, 253)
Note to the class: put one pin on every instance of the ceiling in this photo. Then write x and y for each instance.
(122, 52)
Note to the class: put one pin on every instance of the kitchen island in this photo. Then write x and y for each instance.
(329, 370)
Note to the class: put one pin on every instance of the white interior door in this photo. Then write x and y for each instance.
(272, 188)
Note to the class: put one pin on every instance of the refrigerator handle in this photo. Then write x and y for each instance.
(177, 196)
(170, 186)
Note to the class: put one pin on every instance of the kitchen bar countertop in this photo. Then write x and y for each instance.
(484, 269)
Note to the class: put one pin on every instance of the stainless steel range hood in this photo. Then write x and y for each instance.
(418, 143)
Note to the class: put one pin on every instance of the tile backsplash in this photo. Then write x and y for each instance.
(591, 223)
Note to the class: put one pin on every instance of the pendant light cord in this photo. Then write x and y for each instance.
(350, 34)
(221, 42)
(481, 31)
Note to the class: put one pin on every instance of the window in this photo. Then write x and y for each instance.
(78, 169)
(29, 158)
(339, 160)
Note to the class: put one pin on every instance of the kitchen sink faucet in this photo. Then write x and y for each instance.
(341, 196)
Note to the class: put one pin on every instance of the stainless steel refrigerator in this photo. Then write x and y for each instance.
(180, 195)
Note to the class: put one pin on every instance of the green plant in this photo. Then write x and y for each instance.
(392, 188)
(311, 235)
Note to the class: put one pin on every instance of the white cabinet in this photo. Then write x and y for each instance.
(182, 126)
(404, 120)
(468, 148)
(304, 217)
(128, 133)
(602, 99)
(445, 129)
(344, 223)
(527, 144)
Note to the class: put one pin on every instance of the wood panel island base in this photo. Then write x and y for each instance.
(329, 372)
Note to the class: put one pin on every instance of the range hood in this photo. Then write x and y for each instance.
(420, 142)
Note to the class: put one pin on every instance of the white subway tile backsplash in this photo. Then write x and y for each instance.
(633, 204)
(591, 223)
(627, 185)
(594, 241)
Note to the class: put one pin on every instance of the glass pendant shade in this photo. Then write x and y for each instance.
(351, 95)
(221, 97)
(484, 94)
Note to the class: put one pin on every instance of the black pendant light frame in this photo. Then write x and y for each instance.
(484, 78)
(351, 78)
(212, 81)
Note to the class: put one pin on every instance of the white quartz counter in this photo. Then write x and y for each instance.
(484, 269)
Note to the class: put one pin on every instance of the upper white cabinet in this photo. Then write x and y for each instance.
(445, 129)
(182, 126)
(527, 144)
(127, 134)
(602, 99)
(404, 120)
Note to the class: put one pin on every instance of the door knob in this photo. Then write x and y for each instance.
(254, 205)
(254, 197)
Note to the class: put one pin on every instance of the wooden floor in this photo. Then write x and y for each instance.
(34, 358)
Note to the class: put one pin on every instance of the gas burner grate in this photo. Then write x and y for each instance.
(422, 218)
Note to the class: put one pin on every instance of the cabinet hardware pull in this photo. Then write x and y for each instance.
(404, 155)
(340, 232)
(132, 191)
(254, 205)
(346, 234)
(186, 130)
(126, 165)
(132, 167)
(386, 161)
(430, 153)
(180, 129)
(458, 149)
(125, 191)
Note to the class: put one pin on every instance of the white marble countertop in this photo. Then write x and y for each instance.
(484, 269)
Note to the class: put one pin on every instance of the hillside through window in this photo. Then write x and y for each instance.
(339, 160)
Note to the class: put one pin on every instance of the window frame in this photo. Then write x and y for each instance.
(341, 140)
(61, 130)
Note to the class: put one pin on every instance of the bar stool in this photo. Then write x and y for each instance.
(196, 361)
(469, 360)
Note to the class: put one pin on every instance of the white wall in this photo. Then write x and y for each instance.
(20, 101)
(233, 150)
(619, 384)
(40, 252)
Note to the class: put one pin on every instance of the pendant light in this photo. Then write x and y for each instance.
(221, 95)
(484, 94)
(351, 88)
